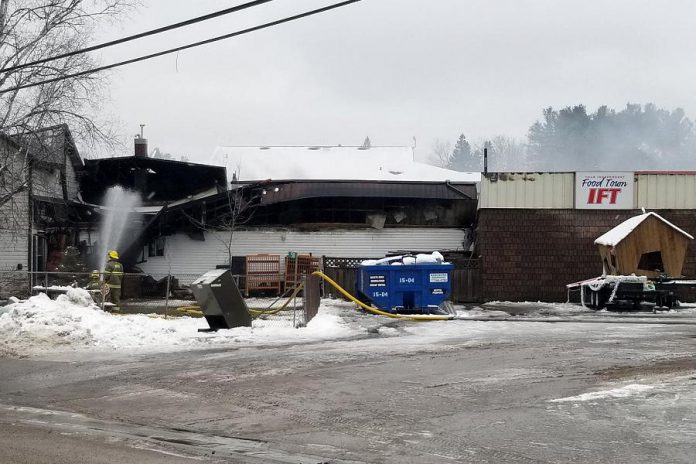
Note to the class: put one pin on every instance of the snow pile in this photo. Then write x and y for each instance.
(621, 392)
(79, 297)
(72, 322)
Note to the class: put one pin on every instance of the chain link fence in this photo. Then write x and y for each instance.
(165, 294)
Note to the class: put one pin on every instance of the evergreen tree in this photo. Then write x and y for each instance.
(463, 159)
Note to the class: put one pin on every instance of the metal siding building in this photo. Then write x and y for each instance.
(533, 240)
(184, 256)
(556, 190)
(527, 190)
(665, 190)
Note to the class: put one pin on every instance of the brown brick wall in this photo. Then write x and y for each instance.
(530, 255)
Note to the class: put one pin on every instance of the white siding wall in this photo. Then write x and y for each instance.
(188, 256)
(46, 183)
(14, 220)
(14, 233)
(528, 190)
(665, 191)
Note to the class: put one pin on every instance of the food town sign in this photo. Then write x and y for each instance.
(604, 190)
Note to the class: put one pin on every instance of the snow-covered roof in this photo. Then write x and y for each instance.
(330, 163)
(618, 233)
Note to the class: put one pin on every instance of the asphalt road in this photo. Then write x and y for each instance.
(484, 392)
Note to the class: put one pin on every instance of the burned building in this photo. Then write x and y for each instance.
(347, 219)
(38, 200)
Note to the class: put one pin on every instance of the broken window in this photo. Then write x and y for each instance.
(651, 262)
(156, 247)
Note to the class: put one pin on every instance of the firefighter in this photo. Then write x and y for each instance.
(95, 285)
(113, 274)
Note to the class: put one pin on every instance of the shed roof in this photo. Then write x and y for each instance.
(618, 233)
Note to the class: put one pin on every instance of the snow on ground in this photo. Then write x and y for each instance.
(72, 322)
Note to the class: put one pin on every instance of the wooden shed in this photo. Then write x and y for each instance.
(646, 245)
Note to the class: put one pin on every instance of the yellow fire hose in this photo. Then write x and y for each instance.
(371, 309)
(269, 311)
(195, 310)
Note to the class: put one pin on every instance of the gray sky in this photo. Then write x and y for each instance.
(395, 69)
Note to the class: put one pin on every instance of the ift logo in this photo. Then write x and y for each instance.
(603, 190)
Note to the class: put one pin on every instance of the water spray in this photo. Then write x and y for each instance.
(119, 204)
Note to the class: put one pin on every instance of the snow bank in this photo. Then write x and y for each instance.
(72, 322)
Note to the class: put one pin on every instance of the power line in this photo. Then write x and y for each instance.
(184, 47)
(140, 35)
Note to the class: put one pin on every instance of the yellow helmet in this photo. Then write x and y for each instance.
(113, 254)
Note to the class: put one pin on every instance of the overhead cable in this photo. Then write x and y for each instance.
(140, 35)
(184, 47)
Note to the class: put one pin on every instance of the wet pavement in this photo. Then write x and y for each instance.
(615, 390)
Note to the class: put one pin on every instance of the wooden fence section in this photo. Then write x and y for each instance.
(311, 297)
(342, 270)
(466, 285)
(263, 273)
(345, 277)
(298, 266)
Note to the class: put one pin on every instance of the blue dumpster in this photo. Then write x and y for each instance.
(405, 288)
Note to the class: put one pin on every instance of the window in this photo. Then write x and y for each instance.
(156, 247)
(651, 262)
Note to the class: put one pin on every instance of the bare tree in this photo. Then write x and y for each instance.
(440, 153)
(507, 154)
(236, 209)
(32, 30)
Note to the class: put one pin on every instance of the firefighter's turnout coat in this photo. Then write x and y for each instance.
(113, 273)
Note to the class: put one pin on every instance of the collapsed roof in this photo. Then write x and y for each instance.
(157, 180)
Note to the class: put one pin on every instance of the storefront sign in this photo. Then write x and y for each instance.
(604, 190)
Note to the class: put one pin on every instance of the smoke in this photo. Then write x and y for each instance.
(636, 138)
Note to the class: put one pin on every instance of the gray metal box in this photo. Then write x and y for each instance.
(219, 298)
